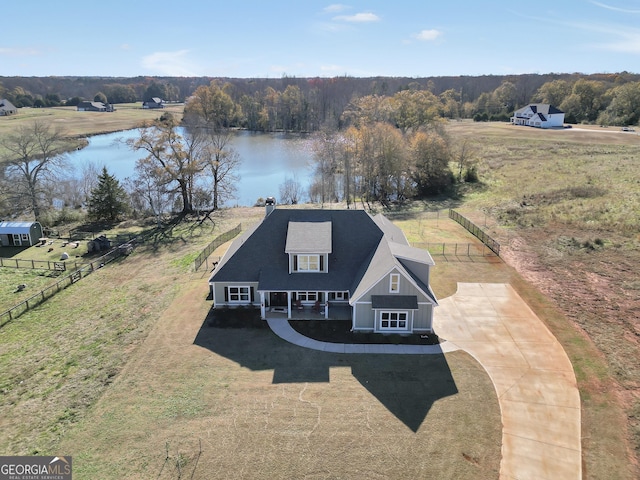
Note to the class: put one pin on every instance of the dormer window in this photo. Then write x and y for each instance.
(308, 246)
(307, 263)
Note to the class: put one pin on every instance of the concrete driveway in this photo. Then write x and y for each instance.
(533, 377)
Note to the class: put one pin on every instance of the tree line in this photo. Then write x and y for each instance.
(375, 148)
(309, 104)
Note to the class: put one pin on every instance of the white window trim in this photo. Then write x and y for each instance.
(304, 296)
(341, 296)
(308, 257)
(239, 294)
(396, 277)
(397, 314)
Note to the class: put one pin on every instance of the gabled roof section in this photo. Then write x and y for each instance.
(411, 253)
(259, 256)
(393, 248)
(538, 108)
(308, 237)
(6, 105)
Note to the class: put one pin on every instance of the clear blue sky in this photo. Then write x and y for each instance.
(306, 38)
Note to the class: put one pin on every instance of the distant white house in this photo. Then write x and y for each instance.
(541, 115)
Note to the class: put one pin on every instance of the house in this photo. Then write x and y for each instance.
(154, 102)
(86, 106)
(541, 115)
(7, 108)
(20, 234)
(328, 264)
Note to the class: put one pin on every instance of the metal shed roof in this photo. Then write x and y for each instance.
(15, 227)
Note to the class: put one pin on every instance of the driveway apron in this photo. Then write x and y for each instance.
(532, 375)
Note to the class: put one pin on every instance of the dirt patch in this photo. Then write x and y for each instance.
(590, 286)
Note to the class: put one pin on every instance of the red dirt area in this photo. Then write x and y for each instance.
(597, 288)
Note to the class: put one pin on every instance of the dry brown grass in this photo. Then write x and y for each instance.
(78, 124)
(133, 385)
(563, 205)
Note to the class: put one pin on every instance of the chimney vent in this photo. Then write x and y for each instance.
(270, 205)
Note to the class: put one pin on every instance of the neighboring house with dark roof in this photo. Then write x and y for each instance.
(7, 108)
(20, 234)
(328, 264)
(86, 106)
(154, 102)
(541, 115)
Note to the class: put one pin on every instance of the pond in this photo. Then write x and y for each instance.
(267, 160)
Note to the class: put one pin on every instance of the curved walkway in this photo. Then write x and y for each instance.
(533, 377)
(284, 330)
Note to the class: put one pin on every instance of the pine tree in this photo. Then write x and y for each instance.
(108, 201)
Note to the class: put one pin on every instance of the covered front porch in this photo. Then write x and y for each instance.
(305, 305)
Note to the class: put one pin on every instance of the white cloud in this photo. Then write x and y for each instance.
(170, 63)
(615, 9)
(624, 39)
(428, 35)
(19, 51)
(336, 7)
(358, 18)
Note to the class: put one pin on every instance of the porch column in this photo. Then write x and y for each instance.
(262, 307)
(289, 305)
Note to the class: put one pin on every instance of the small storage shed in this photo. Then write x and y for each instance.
(20, 234)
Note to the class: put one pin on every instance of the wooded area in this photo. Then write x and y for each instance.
(308, 104)
(376, 139)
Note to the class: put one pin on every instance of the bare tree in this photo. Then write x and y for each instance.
(221, 162)
(148, 193)
(34, 157)
(171, 159)
(290, 191)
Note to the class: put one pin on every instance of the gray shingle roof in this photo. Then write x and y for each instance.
(260, 256)
(395, 302)
(362, 249)
(308, 237)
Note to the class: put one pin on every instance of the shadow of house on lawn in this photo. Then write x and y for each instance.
(407, 385)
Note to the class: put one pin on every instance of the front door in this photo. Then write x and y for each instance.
(278, 299)
(16, 239)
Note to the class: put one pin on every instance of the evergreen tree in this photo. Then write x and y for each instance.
(108, 200)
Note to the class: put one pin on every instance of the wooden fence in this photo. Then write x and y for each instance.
(60, 266)
(219, 240)
(493, 245)
(61, 284)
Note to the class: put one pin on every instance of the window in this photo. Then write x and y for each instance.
(308, 263)
(238, 294)
(393, 320)
(394, 283)
(339, 295)
(307, 296)
(25, 237)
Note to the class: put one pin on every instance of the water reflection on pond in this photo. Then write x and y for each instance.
(267, 160)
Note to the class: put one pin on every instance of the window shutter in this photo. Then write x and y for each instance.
(226, 294)
(295, 263)
(322, 263)
(252, 294)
